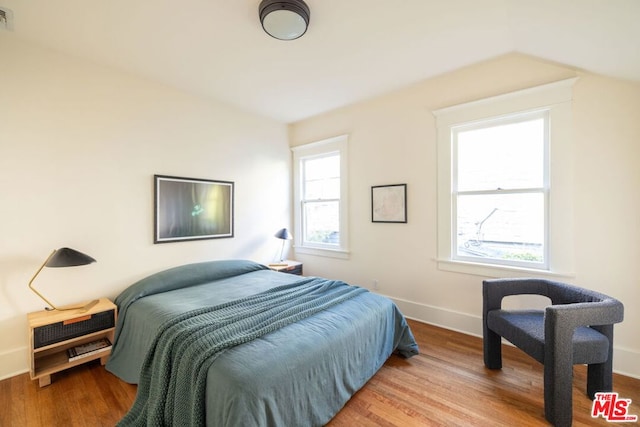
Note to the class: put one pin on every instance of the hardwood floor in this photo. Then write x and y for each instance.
(445, 385)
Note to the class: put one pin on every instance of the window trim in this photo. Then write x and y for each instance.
(318, 149)
(556, 97)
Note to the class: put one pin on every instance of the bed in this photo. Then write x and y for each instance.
(232, 343)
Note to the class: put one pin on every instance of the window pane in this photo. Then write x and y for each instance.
(322, 222)
(322, 189)
(501, 226)
(507, 156)
(322, 178)
(322, 167)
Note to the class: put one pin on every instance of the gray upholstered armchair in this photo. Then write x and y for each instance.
(576, 329)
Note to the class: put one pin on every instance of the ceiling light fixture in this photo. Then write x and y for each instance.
(284, 19)
(6, 19)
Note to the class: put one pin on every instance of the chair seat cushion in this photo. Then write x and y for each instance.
(525, 330)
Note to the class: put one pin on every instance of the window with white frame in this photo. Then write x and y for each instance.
(320, 190)
(499, 190)
(502, 203)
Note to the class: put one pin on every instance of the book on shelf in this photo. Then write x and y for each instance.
(88, 349)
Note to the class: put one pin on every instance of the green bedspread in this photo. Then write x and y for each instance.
(174, 375)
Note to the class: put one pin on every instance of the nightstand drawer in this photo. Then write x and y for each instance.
(73, 328)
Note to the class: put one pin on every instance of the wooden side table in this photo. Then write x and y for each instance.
(287, 266)
(52, 333)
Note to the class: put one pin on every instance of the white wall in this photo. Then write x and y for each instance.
(393, 140)
(79, 145)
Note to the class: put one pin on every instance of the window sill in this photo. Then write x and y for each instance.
(330, 253)
(492, 270)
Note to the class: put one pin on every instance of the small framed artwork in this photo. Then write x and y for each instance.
(192, 209)
(389, 203)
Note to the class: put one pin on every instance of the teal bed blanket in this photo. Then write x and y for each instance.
(237, 344)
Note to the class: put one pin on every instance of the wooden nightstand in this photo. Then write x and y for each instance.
(291, 267)
(52, 333)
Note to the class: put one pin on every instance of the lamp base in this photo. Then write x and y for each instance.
(88, 306)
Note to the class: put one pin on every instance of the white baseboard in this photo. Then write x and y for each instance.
(445, 318)
(625, 361)
(14, 362)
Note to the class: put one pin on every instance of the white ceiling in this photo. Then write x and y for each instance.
(353, 50)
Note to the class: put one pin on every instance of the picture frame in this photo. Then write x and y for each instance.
(192, 209)
(389, 203)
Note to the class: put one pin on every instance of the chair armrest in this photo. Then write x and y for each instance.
(561, 321)
(571, 316)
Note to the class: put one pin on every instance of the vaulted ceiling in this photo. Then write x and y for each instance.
(353, 50)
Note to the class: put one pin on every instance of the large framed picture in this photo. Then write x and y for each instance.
(192, 209)
(389, 203)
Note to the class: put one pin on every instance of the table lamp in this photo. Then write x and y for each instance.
(63, 257)
(284, 235)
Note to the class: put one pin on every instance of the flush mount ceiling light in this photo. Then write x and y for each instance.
(284, 19)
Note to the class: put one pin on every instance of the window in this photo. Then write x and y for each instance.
(320, 200)
(320, 197)
(500, 189)
(502, 204)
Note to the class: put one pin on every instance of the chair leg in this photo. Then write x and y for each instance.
(600, 375)
(558, 399)
(599, 378)
(492, 344)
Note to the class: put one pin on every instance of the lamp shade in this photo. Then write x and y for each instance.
(284, 234)
(63, 257)
(284, 19)
(67, 257)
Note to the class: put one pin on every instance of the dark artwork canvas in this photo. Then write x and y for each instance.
(190, 209)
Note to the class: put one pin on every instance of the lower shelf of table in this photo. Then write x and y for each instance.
(56, 362)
